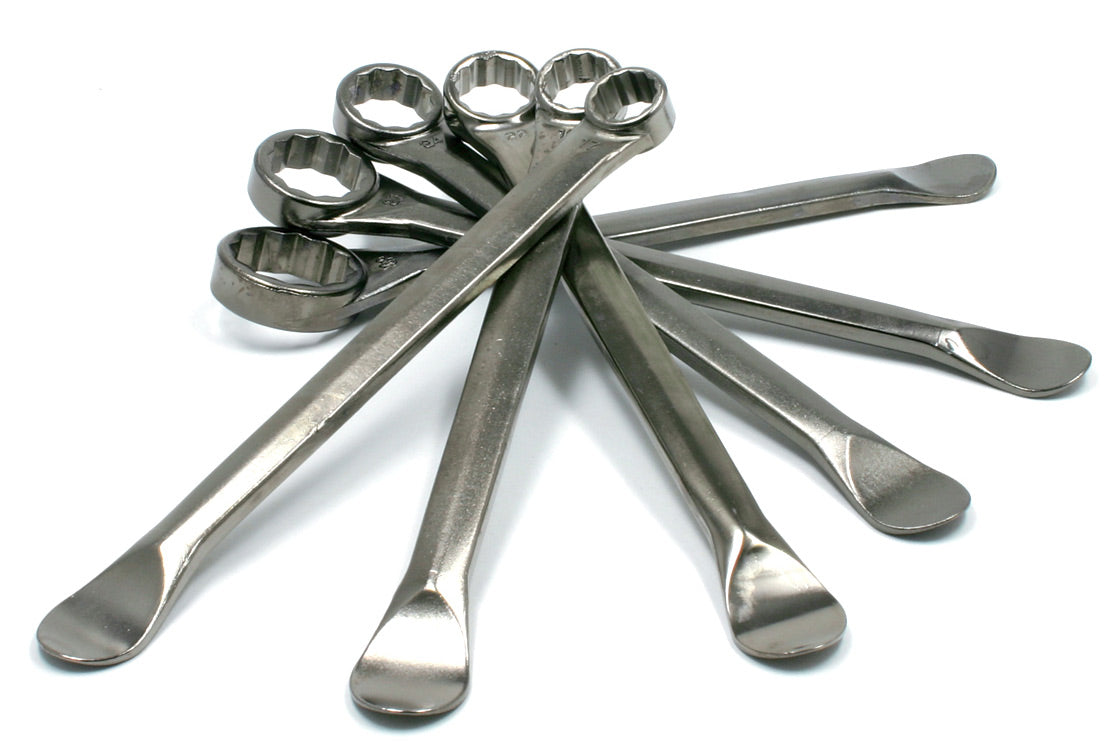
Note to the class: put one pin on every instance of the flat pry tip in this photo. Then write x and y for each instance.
(417, 662)
(1026, 366)
(113, 617)
(777, 609)
(954, 179)
(893, 491)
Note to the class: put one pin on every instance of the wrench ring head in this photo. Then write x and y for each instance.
(610, 102)
(388, 82)
(303, 148)
(572, 67)
(325, 277)
(492, 68)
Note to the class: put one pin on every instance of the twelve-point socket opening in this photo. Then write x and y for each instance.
(567, 78)
(324, 155)
(294, 259)
(493, 85)
(390, 99)
(626, 97)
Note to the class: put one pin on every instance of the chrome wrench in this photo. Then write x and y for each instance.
(1031, 367)
(1026, 366)
(430, 605)
(871, 473)
(117, 613)
(511, 136)
(775, 623)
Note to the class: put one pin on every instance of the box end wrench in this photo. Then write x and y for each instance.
(873, 483)
(1026, 366)
(118, 612)
(386, 679)
(879, 479)
(372, 204)
(856, 460)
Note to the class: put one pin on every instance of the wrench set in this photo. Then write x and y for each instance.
(516, 225)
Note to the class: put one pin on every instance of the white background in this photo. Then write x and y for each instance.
(129, 131)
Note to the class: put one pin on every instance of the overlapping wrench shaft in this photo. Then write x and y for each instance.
(129, 600)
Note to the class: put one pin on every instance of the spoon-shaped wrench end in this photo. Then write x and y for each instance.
(1027, 366)
(894, 492)
(417, 662)
(949, 180)
(776, 607)
(111, 618)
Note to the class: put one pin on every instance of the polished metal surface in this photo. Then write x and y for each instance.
(390, 209)
(854, 457)
(371, 204)
(878, 479)
(776, 607)
(396, 673)
(418, 661)
(428, 147)
(894, 492)
(891, 490)
(285, 279)
(292, 277)
(117, 613)
(1026, 366)
(948, 180)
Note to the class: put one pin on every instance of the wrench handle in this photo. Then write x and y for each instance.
(497, 378)
(948, 180)
(662, 394)
(793, 304)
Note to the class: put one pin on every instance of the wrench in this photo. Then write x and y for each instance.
(373, 203)
(958, 179)
(118, 612)
(800, 413)
(430, 605)
(385, 207)
(1026, 366)
(431, 149)
(776, 607)
(845, 449)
